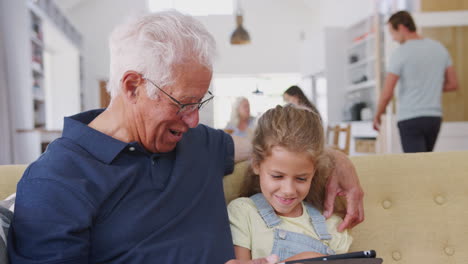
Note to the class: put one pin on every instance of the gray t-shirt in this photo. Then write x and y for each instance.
(421, 65)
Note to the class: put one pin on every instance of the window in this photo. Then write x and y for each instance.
(194, 8)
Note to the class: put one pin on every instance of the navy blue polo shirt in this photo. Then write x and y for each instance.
(93, 199)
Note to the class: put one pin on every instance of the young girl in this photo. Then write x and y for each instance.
(280, 209)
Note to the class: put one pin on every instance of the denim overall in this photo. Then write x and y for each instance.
(286, 243)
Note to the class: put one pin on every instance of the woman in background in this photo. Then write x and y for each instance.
(294, 95)
(241, 123)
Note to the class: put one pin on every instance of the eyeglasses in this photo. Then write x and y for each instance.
(184, 108)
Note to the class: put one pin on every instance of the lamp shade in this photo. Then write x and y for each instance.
(240, 35)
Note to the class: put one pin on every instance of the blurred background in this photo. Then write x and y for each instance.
(54, 62)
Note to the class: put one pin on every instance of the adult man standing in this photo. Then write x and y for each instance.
(140, 182)
(424, 69)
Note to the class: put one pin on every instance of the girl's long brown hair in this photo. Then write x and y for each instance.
(298, 130)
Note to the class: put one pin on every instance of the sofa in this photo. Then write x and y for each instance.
(416, 205)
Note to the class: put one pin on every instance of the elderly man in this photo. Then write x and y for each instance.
(140, 182)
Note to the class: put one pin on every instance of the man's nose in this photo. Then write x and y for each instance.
(191, 119)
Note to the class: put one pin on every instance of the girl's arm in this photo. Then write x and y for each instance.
(242, 253)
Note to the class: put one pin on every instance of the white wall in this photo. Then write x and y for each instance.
(329, 13)
(95, 20)
(275, 27)
(6, 127)
(334, 69)
(339, 13)
(18, 58)
(287, 36)
(62, 69)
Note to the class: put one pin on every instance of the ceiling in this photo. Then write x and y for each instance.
(67, 5)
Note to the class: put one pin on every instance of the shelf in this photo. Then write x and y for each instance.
(360, 86)
(32, 6)
(48, 9)
(36, 67)
(39, 99)
(358, 43)
(37, 41)
(360, 63)
(38, 94)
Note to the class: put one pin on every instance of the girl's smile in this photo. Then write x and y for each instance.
(285, 178)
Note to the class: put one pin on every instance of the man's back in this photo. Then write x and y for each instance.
(420, 64)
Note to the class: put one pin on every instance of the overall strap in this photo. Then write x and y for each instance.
(318, 222)
(265, 210)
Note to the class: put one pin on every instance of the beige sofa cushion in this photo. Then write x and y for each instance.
(416, 207)
(232, 183)
(9, 177)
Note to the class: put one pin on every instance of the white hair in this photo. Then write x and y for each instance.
(154, 45)
(235, 118)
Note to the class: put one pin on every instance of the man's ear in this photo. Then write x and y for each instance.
(131, 82)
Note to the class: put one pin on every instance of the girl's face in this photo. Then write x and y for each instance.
(285, 179)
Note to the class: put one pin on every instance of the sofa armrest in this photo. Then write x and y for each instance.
(9, 177)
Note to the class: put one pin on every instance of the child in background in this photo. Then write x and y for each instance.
(280, 209)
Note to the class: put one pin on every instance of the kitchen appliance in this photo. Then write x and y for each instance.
(356, 111)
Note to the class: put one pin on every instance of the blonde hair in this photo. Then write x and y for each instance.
(298, 130)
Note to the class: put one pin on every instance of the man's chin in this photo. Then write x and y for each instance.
(165, 148)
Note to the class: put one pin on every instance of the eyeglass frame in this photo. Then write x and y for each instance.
(181, 105)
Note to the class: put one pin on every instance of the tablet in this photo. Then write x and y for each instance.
(369, 254)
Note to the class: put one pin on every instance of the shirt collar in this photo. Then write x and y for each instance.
(103, 147)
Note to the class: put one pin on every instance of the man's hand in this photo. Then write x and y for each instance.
(377, 123)
(450, 82)
(268, 260)
(385, 98)
(344, 181)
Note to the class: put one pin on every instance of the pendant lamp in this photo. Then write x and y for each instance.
(240, 36)
(257, 91)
